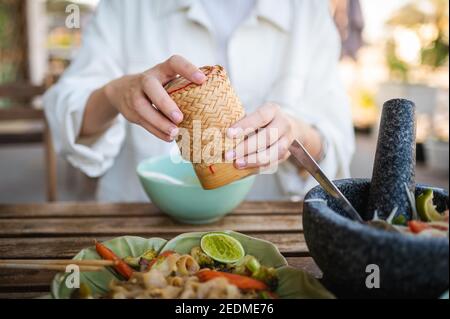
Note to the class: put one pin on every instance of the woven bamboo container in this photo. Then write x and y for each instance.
(213, 105)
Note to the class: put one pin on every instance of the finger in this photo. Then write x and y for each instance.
(161, 99)
(268, 157)
(177, 65)
(154, 130)
(259, 141)
(152, 116)
(261, 118)
(263, 139)
(272, 168)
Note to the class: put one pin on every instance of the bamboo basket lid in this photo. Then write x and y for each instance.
(209, 110)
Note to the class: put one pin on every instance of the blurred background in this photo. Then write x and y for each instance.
(391, 48)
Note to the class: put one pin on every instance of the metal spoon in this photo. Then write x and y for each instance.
(306, 160)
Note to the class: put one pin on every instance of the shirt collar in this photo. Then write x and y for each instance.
(276, 12)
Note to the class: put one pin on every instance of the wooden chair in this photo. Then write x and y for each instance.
(22, 95)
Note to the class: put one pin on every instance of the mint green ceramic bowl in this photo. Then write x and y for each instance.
(189, 203)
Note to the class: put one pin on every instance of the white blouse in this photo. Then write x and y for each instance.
(284, 51)
(225, 17)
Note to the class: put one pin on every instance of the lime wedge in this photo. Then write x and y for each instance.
(222, 247)
(426, 209)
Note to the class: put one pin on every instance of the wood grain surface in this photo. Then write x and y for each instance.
(60, 230)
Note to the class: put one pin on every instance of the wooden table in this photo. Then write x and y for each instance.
(60, 230)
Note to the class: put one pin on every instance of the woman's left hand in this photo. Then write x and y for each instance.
(269, 132)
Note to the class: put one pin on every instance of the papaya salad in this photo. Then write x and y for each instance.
(217, 269)
(427, 220)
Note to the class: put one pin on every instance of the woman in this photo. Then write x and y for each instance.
(109, 110)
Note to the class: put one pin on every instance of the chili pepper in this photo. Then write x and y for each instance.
(242, 282)
(121, 267)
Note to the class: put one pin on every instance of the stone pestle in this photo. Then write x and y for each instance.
(395, 160)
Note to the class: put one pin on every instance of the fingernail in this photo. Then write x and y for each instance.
(232, 132)
(174, 132)
(198, 77)
(176, 116)
(230, 155)
(283, 145)
(240, 163)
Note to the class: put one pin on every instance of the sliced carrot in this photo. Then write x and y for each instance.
(242, 282)
(121, 267)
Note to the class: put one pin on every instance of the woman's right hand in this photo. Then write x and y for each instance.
(142, 99)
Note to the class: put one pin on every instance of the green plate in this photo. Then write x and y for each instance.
(294, 283)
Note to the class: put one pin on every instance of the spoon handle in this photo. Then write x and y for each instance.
(305, 159)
